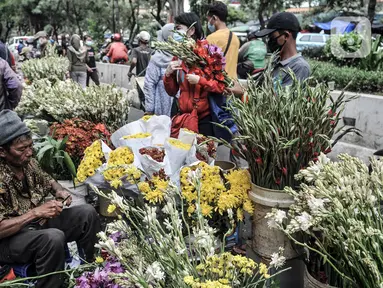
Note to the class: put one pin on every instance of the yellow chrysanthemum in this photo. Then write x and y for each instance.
(179, 144)
(147, 117)
(137, 136)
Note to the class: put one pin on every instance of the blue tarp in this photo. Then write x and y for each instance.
(341, 26)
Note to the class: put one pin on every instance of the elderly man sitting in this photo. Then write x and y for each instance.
(32, 231)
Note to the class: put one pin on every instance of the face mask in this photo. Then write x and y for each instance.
(211, 27)
(60, 42)
(89, 43)
(273, 44)
(179, 36)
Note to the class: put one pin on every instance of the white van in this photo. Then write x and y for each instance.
(14, 42)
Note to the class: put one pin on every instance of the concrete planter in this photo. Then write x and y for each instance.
(311, 282)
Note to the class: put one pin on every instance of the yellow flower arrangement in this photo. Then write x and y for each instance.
(215, 196)
(92, 160)
(115, 174)
(154, 189)
(179, 144)
(147, 117)
(223, 269)
(137, 136)
(121, 156)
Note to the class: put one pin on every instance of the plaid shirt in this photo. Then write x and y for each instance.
(19, 196)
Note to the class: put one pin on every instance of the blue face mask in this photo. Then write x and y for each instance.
(211, 27)
(179, 36)
(89, 43)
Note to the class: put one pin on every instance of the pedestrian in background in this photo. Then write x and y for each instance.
(141, 55)
(157, 101)
(77, 56)
(10, 87)
(222, 36)
(91, 62)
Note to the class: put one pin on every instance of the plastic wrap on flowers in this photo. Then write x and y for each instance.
(187, 136)
(158, 126)
(128, 129)
(149, 164)
(176, 152)
(136, 142)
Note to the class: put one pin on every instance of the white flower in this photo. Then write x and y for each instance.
(151, 215)
(154, 272)
(316, 205)
(277, 260)
(117, 200)
(304, 221)
(275, 218)
(168, 208)
(168, 225)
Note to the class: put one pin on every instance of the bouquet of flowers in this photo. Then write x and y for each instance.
(81, 134)
(283, 128)
(219, 193)
(62, 100)
(200, 57)
(153, 253)
(338, 206)
(52, 67)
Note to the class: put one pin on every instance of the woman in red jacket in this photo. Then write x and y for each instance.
(194, 89)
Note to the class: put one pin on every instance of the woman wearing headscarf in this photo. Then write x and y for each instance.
(193, 102)
(157, 101)
(77, 57)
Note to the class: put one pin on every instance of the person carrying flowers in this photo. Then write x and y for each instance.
(193, 103)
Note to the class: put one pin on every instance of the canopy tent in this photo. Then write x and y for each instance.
(341, 26)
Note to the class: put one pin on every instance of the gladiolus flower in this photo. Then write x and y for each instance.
(278, 181)
(219, 77)
(327, 151)
(284, 171)
(259, 161)
(310, 133)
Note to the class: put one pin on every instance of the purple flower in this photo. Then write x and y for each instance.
(116, 236)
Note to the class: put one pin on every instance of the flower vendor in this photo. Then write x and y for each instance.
(194, 110)
(32, 231)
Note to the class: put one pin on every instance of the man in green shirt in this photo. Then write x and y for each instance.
(251, 56)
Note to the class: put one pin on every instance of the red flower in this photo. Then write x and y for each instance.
(208, 71)
(311, 144)
(297, 155)
(200, 51)
(332, 123)
(278, 181)
(327, 151)
(254, 150)
(202, 43)
(235, 153)
(221, 86)
(259, 161)
(310, 133)
(315, 159)
(209, 60)
(316, 154)
(217, 67)
(220, 77)
(284, 171)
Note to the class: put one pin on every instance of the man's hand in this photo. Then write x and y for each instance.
(173, 66)
(237, 90)
(51, 209)
(193, 79)
(90, 70)
(62, 195)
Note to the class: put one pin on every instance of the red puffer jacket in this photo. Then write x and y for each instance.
(188, 92)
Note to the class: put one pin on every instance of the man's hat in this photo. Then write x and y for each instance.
(280, 21)
(40, 34)
(11, 126)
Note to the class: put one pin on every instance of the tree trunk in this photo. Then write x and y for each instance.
(371, 10)
(261, 8)
(113, 18)
(118, 24)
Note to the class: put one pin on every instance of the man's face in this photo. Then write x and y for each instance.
(20, 152)
(43, 40)
(277, 40)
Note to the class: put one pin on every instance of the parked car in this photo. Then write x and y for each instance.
(311, 40)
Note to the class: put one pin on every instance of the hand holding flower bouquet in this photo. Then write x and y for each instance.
(201, 58)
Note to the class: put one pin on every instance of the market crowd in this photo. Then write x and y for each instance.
(31, 231)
